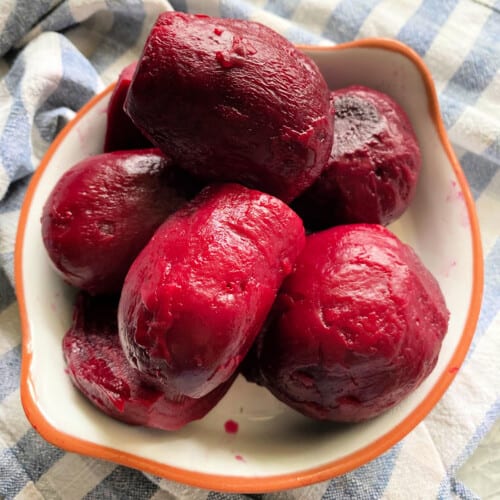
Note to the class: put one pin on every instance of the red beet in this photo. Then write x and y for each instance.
(374, 165)
(99, 369)
(197, 295)
(103, 211)
(121, 133)
(356, 327)
(232, 100)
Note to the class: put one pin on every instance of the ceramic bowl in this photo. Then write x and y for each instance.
(269, 446)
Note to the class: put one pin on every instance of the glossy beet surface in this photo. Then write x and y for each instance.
(232, 100)
(99, 369)
(355, 328)
(103, 211)
(121, 133)
(197, 295)
(374, 165)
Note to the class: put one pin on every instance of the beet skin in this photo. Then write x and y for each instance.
(373, 170)
(121, 133)
(232, 100)
(355, 328)
(103, 211)
(98, 368)
(197, 295)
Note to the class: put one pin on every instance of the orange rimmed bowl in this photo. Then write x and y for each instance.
(273, 446)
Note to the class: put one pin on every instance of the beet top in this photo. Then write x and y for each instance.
(121, 133)
(355, 328)
(232, 100)
(103, 211)
(374, 165)
(97, 366)
(197, 295)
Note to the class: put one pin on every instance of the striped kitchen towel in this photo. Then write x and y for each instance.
(56, 54)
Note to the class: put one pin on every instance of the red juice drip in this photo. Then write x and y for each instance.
(231, 427)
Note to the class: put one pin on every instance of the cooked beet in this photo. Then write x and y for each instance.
(374, 165)
(121, 133)
(103, 211)
(198, 294)
(355, 328)
(232, 100)
(99, 369)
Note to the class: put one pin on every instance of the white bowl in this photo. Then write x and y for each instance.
(274, 447)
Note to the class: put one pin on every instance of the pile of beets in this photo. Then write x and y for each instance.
(235, 223)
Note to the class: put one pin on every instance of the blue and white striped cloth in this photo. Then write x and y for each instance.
(56, 54)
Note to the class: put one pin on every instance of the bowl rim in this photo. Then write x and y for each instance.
(259, 484)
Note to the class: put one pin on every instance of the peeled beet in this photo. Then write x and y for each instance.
(374, 165)
(99, 369)
(103, 211)
(355, 328)
(197, 295)
(121, 133)
(232, 100)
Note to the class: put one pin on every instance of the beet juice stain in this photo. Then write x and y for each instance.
(231, 427)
